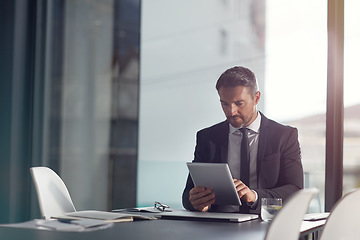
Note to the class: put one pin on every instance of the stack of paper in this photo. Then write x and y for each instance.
(316, 216)
(142, 209)
(78, 225)
(101, 215)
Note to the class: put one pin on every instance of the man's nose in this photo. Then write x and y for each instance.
(233, 109)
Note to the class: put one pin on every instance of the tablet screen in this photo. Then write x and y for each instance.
(217, 177)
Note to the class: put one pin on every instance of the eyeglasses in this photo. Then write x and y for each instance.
(161, 207)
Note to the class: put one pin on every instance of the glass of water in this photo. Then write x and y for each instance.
(269, 208)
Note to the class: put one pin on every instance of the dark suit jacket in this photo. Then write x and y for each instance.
(279, 168)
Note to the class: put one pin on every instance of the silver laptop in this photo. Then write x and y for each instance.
(214, 216)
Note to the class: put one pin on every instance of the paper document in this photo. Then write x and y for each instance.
(86, 222)
(58, 226)
(316, 216)
(142, 209)
(77, 225)
(307, 225)
(101, 215)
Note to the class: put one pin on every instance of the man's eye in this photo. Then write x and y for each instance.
(239, 103)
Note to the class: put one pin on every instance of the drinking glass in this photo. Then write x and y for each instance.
(270, 207)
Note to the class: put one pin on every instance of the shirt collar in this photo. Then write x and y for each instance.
(254, 126)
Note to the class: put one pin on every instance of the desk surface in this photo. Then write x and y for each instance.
(151, 229)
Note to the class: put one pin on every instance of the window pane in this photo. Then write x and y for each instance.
(85, 127)
(296, 75)
(186, 47)
(92, 100)
(351, 169)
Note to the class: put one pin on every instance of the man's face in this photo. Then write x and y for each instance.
(238, 105)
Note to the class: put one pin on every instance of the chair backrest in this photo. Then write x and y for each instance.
(343, 221)
(287, 222)
(53, 196)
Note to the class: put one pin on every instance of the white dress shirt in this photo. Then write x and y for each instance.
(234, 149)
(234, 154)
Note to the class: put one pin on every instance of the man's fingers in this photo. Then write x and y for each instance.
(206, 206)
(244, 191)
(201, 198)
(197, 190)
(205, 209)
(203, 206)
(241, 188)
(195, 200)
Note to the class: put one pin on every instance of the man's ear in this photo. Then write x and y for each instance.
(257, 97)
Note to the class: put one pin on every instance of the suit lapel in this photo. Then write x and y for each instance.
(222, 139)
(263, 138)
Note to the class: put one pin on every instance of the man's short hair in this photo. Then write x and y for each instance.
(238, 76)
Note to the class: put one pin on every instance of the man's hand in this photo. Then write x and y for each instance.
(201, 198)
(244, 192)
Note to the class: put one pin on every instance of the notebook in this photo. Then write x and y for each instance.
(207, 216)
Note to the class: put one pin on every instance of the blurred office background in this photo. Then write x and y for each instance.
(110, 93)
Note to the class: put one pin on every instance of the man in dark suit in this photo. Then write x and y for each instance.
(272, 166)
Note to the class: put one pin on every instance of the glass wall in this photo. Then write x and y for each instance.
(185, 48)
(86, 97)
(76, 81)
(295, 79)
(91, 103)
(351, 178)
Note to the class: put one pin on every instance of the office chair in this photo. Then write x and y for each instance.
(287, 222)
(343, 221)
(53, 196)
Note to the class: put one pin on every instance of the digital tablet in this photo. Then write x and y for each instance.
(217, 177)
